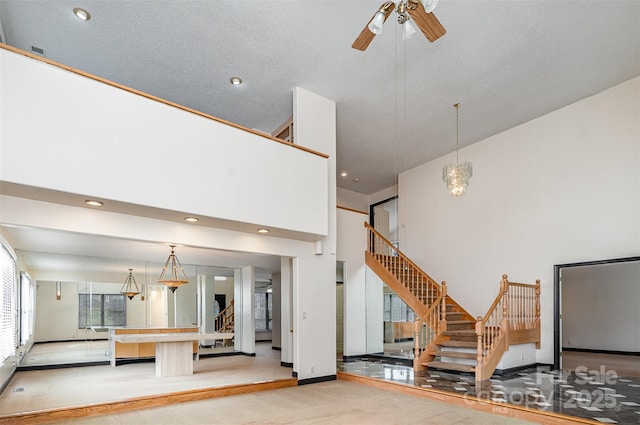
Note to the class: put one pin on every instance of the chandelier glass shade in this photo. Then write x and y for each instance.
(457, 175)
(172, 274)
(130, 287)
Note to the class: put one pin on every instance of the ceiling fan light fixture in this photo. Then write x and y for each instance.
(409, 29)
(375, 26)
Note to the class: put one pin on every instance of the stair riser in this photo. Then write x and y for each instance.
(462, 327)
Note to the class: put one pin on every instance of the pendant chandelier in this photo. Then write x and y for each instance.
(130, 286)
(457, 175)
(173, 275)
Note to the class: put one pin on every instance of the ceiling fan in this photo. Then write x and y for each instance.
(410, 13)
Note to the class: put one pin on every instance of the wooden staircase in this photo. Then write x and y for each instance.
(446, 336)
(224, 322)
(456, 349)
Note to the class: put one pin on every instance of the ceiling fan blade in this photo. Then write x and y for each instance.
(427, 22)
(366, 36)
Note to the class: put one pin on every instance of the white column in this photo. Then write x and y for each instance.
(248, 311)
(276, 328)
(286, 311)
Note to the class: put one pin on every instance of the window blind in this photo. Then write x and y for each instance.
(8, 304)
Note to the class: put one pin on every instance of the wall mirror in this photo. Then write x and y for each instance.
(72, 283)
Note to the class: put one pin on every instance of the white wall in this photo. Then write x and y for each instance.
(562, 188)
(374, 292)
(352, 243)
(70, 126)
(601, 307)
(382, 195)
(86, 127)
(185, 300)
(350, 199)
(314, 309)
(314, 275)
(65, 310)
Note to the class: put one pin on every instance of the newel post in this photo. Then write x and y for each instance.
(443, 310)
(480, 348)
(538, 311)
(416, 344)
(504, 287)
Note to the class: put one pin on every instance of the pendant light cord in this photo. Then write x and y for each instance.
(457, 106)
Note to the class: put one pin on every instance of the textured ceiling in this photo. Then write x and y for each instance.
(506, 61)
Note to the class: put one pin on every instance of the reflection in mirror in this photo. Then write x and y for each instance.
(215, 307)
(78, 298)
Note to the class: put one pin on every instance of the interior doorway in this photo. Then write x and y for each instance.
(383, 217)
(603, 294)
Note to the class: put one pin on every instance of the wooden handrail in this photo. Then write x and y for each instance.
(513, 318)
(224, 318)
(397, 250)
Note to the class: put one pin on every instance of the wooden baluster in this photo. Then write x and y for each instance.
(443, 323)
(518, 309)
(538, 311)
(480, 349)
(416, 344)
(504, 284)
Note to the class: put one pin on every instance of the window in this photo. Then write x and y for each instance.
(395, 310)
(263, 311)
(26, 308)
(102, 310)
(7, 303)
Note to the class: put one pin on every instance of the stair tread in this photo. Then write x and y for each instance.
(460, 344)
(461, 322)
(451, 366)
(461, 332)
(457, 354)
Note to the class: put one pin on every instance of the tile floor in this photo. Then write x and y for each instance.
(598, 395)
(592, 393)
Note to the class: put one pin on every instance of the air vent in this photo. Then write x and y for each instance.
(18, 390)
(38, 50)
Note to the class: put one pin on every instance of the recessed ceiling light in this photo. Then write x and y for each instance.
(81, 14)
(343, 174)
(93, 203)
(263, 230)
(191, 219)
(236, 81)
(356, 179)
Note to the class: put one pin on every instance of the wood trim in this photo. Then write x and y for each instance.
(523, 336)
(352, 210)
(488, 406)
(156, 99)
(107, 408)
(490, 362)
